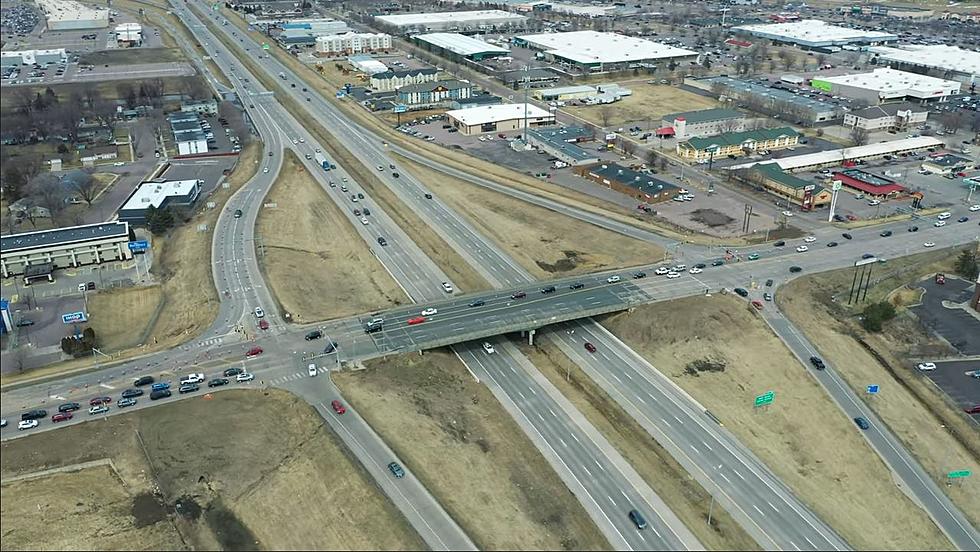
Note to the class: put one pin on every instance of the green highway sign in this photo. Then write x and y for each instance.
(765, 398)
(265, 45)
(959, 474)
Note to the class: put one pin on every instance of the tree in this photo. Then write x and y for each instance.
(953, 121)
(877, 314)
(706, 62)
(46, 188)
(605, 114)
(159, 220)
(967, 265)
(85, 185)
(859, 136)
(13, 182)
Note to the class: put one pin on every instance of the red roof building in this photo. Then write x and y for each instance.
(869, 183)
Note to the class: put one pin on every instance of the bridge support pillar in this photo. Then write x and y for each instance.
(530, 337)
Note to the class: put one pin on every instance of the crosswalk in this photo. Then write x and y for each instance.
(296, 376)
(210, 342)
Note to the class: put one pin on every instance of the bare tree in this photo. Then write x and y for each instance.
(89, 94)
(85, 185)
(953, 121)
(46, 188)
(605, 114)
(859, 136)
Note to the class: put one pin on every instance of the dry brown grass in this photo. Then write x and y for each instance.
(544, 242)
(803, 438)
(119, 317)
(933, 429)
(272, 449)
(455, 437)
(315, 263)
(648, 102)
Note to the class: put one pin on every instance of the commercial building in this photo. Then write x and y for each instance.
(352, 43)
(554, 142)
(597, 51)
(475, 100)
(638, 185)
(947, 163)
(65, 247)
(845, 156)
(462, 21)
(316, 26)
(389, 81)
(564, 93)
(869, 184)
(738, 143)
(950, 62)
(456, 46)
(129, 34)
(498, 118)
(897, 12)
(189, 137)
(201, 107)
(68, 15)
(366, 64)
(296, 37)
(887, 85)
(434, 93)
(813, 33)
(792, 107)
(536, 77)
(160, 195)
(803, 193)
(701, 123)
(17, 58)
(887, 117)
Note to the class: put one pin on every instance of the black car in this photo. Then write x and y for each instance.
(428, 196)
(145, 380)
(717, 262)
(394, 174)
(862, 423)
(218, 382)
(700, 265)
(831, 244)
(382, 242)
(129, 393)
(367, 212)
(769, 282)
(741, 292)
(548, 289)
(238, 213)
(478, 303)
(913, 228)
(229, 372)
(839, 218)
(360, 195)
(188, 388)
(576, 285)
(315, 334)
(795, 269)
(962, 219)
(817, 362)
(24, 322)
(34, 414)
(868, 256)
(638, 275)
(159, 394)
(780, 243)
(637, 518)
(846, 236)
(69, 407)
(329, 348)
(886, 233)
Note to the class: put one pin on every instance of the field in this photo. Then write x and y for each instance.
(724, 355)
(131, 56)
(317, 266)
(935, 431)
(109, 90)
(167, 481)
(545, 243)
(646, 106)
(132, 311)
(454, 435)
(682, 494)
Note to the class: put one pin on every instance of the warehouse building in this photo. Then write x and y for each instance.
(352, 43)
(366, 64)
(536, 77)
(160, 195)
(296, 37)
(897, 117)
(640, 186)
(950, 62)
(30, 57)
(455, 47)
(776, 101)
(738, 143)
(389, 81)
(129, 35)
(597, 51)
(316, 26)
(498, 118)
(554, 142)
(475, 100)
(888, 85)
(68, 15)
(65, 247)
(701, 123)
(803, 193)
(813, 33)
(847, 156)
(459, 21)
(564, 93)
(432, 94)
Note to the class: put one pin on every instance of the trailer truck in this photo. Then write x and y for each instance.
(323, 161)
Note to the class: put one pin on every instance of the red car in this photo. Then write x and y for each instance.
(61, 417)
(416, 320)
(254, 351)
(589, 347)
(518, 295)
(338, 407)
(263, 325)
(99, 400)
(757, 304)
(975, 409)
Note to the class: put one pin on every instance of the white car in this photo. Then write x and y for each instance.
(430, 311)
(364, 221)
(192, 378)
(929, 244)
(695, 270)
(99, 409)
(926, 366)
(802, 249)
(26, 424)
(265, 170)
(940, 223)
(673, 275)
(975, 208)
(661, 271)
(311, 369)
(809, 239)
(488, 348)
(302, 141)
(447, 287)
(787, 213)
(678, 268)
(295, 141)
(380, 168)
(245, 376)
(874, 202)
(259, 313)
(118, 164)
(612, 279)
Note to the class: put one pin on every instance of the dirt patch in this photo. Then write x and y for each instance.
(544, 242)
(647, 103)
(454, 436)
(180, 484)
(930, 426)
(682, 494)
(317, 266)
(711, 217)
(130, 56)
(803, 438)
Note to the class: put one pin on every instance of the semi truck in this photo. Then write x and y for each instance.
(323, 161)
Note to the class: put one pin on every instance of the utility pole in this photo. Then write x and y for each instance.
(527, 88)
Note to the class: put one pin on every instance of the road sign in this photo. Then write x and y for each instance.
(400, 108)
(139, 246)
(265, 45)
(765, 398)
(72, 317)
(959, 474)
(837, 185)
(872, 389)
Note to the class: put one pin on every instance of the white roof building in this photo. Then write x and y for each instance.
(129, 32)
(30, 57)
(830, 157)
(889, 84)
(815, 33)
(63, 15)
(496, 113)
(462, 45)
(155, 193)
(964, 64)
(367, 64)
(457, 20)
(596, 49)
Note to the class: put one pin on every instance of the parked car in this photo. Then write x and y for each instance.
(315, 334)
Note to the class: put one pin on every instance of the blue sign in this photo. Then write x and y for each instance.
(400, 108)
(72, 317)
(872, 389)
(139, 246)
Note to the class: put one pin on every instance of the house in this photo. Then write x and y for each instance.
(89, 156)
(204, 107)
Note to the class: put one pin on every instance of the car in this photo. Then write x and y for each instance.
(638, 275)
(337, 406)
(671, 275)
(817, 362)
(975, 208)
(886, 233)
(787, 213)
(95, 401)
(416, 320)
(975, 409)
(795, 269)
(244, 376)
(265, 170)
(447, 287)
(874, 202)
(364, 221)
(678, 268)
(847, 236)
(810, 239)
(396, 470)
(192, 378)
(100, 409)
(26, 424)
(123, 403)
(130, 393)
(478, 303)
(315, 334)
(238, 213)
(913, 229)
(767, 296)
(661, 271)
(926, 366)
(637, 518)
(311, 369)
(382, 242)
(929, 244)
(357, 212)
(217, 382)
(695, 270)
(832, 244)
(488, 348)
(769, 282)
(780, 243)
(259, 313)
(548, 289)
(62, 417)
(862, 423)
(159, 394)
(741, 292)
(962, 219)
(576, 285)
(329, 347)
(360, 195)
(24, 322)
(802, 249)
(590, 347)
(428, 196)
(868, 256)
(429, 311)
(160, 385)
(353, 198)
(717, 262)
(613, 279)
(143, 380)
(394, 174)
(753, 256)
(254, 351)
(188, 388)
(518, 295)
(939, 223)
(367, 212)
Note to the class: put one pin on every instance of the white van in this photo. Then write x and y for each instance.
(944, 215)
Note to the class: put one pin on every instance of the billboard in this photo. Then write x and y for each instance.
(73, 317)
(820, 85)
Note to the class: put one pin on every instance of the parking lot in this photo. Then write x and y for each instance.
(957, 326)
(955, 379)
